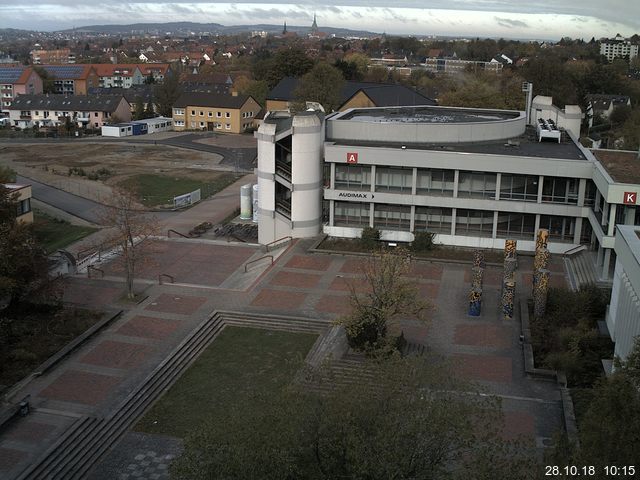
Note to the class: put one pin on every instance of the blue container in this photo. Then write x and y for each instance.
(140, 128)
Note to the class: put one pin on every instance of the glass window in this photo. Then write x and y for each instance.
(516, 225)
(352, 177)
(590, 194)
(519, 187)
(560, 190)
(474, 223)
(561, 229)
(435, 182)
(351, 214)
(390, 179)
(433, 219)
(477, 185)
(24, 206)
(392, 217)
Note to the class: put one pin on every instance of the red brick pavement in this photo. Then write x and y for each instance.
(309, 262)
(180, 304)
(9, 458)
(296, 279)
(80, 387)
(428, 291)
(343, 284)
(518, 424)
(338, 304)
(484, 367)
(30, 431)
(426, 271)
(483, 335)
(116, 354)
(148, 327)
(353, 265)
(78, 292)
(279, 299)
(491, 276)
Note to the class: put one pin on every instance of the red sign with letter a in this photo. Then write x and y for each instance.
(352, 157)
(630, 198)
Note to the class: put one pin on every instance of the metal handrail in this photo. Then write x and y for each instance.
(256, 260)
(176, 232)
(91, 267)
(288, 237)
(165, 275)
(573, 250)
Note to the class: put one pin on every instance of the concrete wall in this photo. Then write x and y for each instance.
(570, 118)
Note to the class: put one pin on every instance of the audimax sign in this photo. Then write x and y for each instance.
(362, 195)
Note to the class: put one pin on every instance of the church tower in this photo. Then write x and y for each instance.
(314, 25)
(284, 30)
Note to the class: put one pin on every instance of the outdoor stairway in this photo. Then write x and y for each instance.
(81, 446)
(581, 270)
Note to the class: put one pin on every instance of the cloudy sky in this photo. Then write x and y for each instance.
(551, 19)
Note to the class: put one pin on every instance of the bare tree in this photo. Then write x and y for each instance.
(131, 230)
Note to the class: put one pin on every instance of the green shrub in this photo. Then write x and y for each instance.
(422, 242)
(370, 238)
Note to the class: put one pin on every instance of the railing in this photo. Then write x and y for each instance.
(176, 232)
(288, 238)
(284, 209)
(171, 279)
(90, 268)
(573, 250)
(257, 260)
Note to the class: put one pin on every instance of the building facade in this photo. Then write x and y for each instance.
(618, 47)
(24, 214)
(214, 112)
(59, 56)
(16, 81)
(72, 79)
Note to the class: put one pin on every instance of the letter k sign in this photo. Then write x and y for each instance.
(630, 198)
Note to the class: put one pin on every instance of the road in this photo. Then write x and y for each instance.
(78, 206)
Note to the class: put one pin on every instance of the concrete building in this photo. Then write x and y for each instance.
(618, 47)
(455, 65)
(72, 79)
(59, 56)
(569, 117)
(214, 112)
(157, 124)
(16, 81)
(24, 214)
(85, 111)
(623, 314)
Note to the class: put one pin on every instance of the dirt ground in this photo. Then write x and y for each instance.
(50, 163)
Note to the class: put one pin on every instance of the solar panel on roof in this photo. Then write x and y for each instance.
(64, 71)
(10, 75)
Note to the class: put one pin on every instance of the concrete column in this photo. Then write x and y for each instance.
(582, 191)
(605, 264)
(498, 180)
(332, 182)
(612, 219)
(494, 232)
(373, 178)
(629, 215)
(600, 255)
(456, 180)
(331, 210)
(536, 226)
(414, 183)
(371, 214)
(605, 212)
(540, 182)
(412, 224)
(453, 219)
(578, 230)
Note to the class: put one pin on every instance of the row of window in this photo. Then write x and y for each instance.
(468, 222)
(470, 184)
(180, 111)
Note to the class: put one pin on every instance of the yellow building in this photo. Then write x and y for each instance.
(23, 201)
(214, 112)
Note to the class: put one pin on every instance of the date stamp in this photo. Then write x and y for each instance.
(572, 471)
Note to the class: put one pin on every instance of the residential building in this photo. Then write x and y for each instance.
(85, 111)
(354, 94)
(132, 94)
(72, 79)
(473, 177)
(618, 47)
(58, 56)
(623, 313)
(127, 75)
(214, 112)
(456, 65)
(16, 81)
(24, 214)
(603, 105)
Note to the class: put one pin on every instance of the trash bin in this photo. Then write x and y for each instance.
(23, 408)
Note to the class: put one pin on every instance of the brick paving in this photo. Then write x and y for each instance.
(148, 327)
(95, 294)
(295, 279)
(337, 304)
(488, 368)
(278, 299)
(29, 431)
(518, 425)
(309, 262)
(483, 335)
(10, 457)
(180, 304)
(80, 387)
(490, 276)
(116, 354)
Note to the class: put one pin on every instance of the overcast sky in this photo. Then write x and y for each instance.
(485, 18)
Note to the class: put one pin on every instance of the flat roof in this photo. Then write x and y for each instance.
(526, 145)
(622, 165)
(427, 114)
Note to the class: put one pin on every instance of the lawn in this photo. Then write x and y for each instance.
(30, 334)
(240, 361)
(155, 190)
(54, 234)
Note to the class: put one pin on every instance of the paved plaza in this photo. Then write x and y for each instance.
(94, 379)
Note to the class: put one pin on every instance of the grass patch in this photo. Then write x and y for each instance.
(239, 362)
(54, 234)
(154, 190)
(30, 334)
